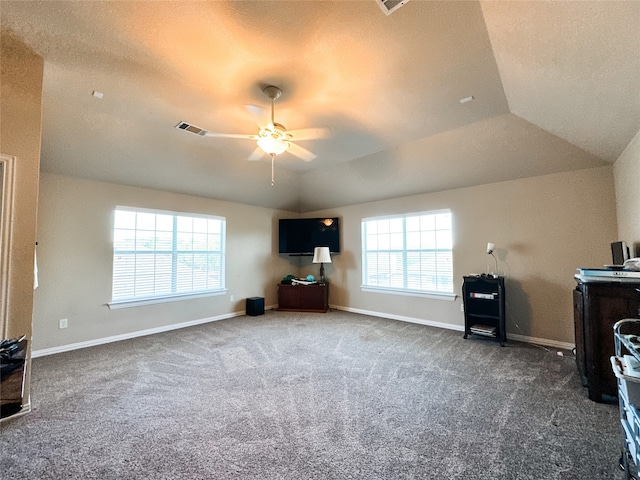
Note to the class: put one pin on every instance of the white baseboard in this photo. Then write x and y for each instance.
(127, 336)
(141, 333)
(459, 328)
(402, 318)
(542, 341)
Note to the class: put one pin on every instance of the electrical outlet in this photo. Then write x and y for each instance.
(462, 307)
(62, 323)
(232, 298)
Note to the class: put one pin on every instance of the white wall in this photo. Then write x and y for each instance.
(627, 180)
(543, 227)
(75, 255)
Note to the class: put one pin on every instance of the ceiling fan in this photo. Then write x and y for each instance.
(273, 138)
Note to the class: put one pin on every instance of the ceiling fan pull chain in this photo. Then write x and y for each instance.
(273, 157)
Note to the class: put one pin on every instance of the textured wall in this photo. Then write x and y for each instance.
(75, 255)
(627, 178)
(543, 228)
(21, 72)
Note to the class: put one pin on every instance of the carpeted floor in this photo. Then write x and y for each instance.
(310, 396)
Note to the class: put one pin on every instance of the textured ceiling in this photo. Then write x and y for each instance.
(556, 87)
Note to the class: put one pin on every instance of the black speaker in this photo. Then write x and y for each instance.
(620, 252)
(255, 306)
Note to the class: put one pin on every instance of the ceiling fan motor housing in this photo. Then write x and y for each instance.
(272, 92)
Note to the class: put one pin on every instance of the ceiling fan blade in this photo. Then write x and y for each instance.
(259, 114)
(257, 154)
(300, 152)
(229, 135)
(309, 133)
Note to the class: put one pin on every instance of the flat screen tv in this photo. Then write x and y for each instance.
(299, 236)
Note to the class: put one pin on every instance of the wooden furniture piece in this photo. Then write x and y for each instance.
(597, 306)
(483, 298)
(627, 355)
(303, 298)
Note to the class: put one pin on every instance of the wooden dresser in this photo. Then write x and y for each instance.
(303, 298)
(597, 306)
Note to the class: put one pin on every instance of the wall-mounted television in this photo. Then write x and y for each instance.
(299, 236)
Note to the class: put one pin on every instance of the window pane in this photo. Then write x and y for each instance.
(396, 225)
(125, 219)
(409, 253)
(213, 242)
(214, 226)
(199, 241)
(413, 240)
(164, 241)
(185, 241)
(146, 221)
(443, 221)
(185, 224)
(145, 240)
(428, 240)
(443, 239)
(164, 223)
(158, 254)
(396, 241)
(427, 222)
(200, 225)
(124, 239)
(413, 224)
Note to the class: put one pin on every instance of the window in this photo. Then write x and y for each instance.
(163, 255)
(409, 253)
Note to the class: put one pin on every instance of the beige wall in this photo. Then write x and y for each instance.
(20, 125)
(543, 227)
(627, 181)
(75, 261)
(21, 73)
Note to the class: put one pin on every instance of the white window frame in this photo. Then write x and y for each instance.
(388, 244)
(159, 268)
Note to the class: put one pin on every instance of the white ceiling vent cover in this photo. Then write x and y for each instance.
(390, 6)
(191, 128)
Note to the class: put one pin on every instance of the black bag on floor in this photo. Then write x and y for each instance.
(12, 362)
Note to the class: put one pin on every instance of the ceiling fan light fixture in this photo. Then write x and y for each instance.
(272, 146)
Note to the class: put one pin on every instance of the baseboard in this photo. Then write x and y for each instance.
(177, 326)
(542, 341)
(401, 318)
(127, 336)
(460, 328)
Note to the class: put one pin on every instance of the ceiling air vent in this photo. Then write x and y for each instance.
(390, 6)
(191, 128)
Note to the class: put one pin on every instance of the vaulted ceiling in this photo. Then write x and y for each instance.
(555, 87)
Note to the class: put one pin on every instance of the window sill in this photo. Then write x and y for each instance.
(449, 297)
(114, 305)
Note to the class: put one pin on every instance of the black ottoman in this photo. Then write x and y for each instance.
(255, 306)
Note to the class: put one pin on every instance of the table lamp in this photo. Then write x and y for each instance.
(321, 255)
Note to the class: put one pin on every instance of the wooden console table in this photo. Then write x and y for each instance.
(303, 298)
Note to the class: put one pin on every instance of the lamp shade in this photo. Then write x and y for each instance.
(321, 255)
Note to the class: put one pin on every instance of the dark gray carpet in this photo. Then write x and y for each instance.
(310, 396)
